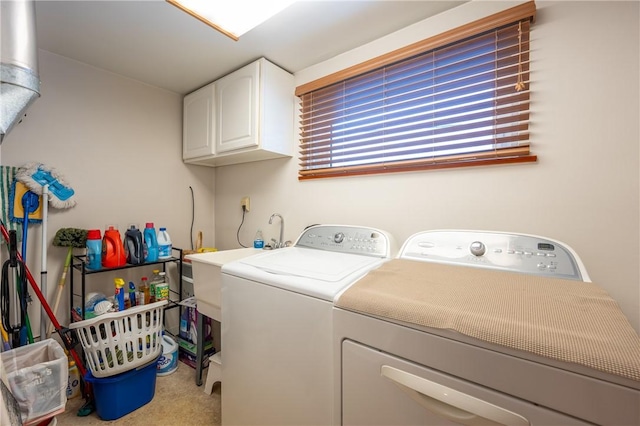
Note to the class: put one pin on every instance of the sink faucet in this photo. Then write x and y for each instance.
(279, 243)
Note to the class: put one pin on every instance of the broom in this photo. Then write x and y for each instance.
(71, 238)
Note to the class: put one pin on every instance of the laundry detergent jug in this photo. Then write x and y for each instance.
(112, 249)
(133, 246)
(168, 361)
(150, 243)
(94, 249)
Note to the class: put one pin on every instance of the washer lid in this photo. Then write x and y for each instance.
(316, 273)
(314, 264)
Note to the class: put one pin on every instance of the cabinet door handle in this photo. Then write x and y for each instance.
(449, 403)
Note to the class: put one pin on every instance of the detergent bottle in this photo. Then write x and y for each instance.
(73, 384)
(162, 287)
(143, 289)
(133, 246)
(164, 244)
(94, 249)
(150, 243)
(112, 249)
(168, 361)
(156, 279)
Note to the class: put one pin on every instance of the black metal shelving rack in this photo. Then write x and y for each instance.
(78, 263)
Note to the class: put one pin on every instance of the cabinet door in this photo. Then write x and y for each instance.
(199, 123)
(237, 103)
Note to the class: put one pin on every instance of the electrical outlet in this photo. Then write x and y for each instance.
(246, 202)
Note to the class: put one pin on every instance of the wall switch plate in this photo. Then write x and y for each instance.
(245, 201)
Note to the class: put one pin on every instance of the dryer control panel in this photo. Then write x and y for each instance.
(348, 239)
(523, 253)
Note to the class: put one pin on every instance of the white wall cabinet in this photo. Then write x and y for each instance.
(239, 108)
(198, 131)
(252, 117)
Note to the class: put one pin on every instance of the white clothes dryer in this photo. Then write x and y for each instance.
(477, 327)
(277, 366)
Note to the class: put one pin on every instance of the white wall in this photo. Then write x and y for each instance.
(118, 144)
(584, 189)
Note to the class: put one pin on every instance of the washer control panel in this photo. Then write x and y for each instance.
(523, 253)
(347, 239)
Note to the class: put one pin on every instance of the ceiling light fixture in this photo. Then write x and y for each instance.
(232, 17)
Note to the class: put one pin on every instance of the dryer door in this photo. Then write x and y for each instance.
(380, 389)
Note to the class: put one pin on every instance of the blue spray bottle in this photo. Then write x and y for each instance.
(119, 295)
(132, 294)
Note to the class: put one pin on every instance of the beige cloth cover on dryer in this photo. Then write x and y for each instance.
(570, 321)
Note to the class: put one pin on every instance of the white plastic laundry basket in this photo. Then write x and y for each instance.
(120, 341)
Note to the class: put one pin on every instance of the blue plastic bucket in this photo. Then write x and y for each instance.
(118, 395)
(168, 361)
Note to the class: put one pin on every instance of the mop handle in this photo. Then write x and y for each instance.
(45, 305)
(13, 250)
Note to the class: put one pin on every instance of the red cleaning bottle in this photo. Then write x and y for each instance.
(112, 249)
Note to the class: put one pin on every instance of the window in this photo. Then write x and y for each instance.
(458, 99)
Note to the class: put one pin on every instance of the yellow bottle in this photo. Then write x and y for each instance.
(144, 289)
(155, 279)
(73, 385)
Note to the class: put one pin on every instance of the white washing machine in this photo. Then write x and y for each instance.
(277, 366)
(470, 327)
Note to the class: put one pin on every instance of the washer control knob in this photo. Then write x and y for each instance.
(338, 238)
(477, 248)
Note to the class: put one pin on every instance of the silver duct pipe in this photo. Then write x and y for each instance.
(19, 81)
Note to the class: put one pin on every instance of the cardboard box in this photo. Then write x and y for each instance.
(189, 324)
(190, 358)
(187, 346)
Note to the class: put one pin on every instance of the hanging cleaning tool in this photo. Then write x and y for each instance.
(7, 181)
(25, 209)
(49, 183)
(43, 257)
(12, 296)
(17, 194)
(37, 175)
(68, 338)
(70, 238)
(8, 294)
(30, 203)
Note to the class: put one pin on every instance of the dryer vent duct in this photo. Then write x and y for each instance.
(19, 81)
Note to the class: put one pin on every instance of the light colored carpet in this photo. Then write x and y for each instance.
(177, 401)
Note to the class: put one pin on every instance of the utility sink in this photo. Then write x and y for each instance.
(207, 277)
